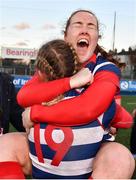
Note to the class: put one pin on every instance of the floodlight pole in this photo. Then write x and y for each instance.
(114, 31)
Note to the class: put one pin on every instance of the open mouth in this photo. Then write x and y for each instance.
(83, 43)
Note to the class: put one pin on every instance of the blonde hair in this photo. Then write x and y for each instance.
(57, 59)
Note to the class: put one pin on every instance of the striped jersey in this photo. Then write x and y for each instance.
(59, 152)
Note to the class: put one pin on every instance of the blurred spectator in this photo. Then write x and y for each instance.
(10, 111)
(133, 135)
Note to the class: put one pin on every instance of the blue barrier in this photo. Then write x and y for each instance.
(19, 81)
(127, 87)
(132, 93)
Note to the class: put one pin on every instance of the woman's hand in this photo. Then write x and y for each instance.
(113, 131)
(27, 123)
(81, 78)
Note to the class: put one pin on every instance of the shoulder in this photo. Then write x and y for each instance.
(6, 78)
(6, 81)
(103, 64)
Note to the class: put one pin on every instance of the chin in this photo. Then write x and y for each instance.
(83, 59)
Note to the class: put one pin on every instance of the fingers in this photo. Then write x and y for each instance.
(27, 130)
(80, 79)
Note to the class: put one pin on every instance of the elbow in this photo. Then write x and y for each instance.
(88, 114)
(21, 100)
(124, 123)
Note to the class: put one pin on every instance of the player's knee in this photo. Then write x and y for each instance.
(122, 158)
(23, 154)
(7, 148)
(117, 158)
(14, 147)
(118, 153)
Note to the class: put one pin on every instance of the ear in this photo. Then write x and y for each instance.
(42, 76)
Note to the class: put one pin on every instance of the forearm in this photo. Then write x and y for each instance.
(122, 118)
(36, 91)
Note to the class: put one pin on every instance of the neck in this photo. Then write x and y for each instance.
(91, 59)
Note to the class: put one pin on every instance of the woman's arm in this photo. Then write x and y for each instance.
(36, 91)
(84, 108)
(122, 118)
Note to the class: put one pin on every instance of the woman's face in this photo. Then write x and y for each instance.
(82, 33)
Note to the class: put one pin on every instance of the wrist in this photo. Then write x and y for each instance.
(72, 83)
(31, 114)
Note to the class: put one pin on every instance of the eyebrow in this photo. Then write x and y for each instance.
(79, 22)
(92, 24)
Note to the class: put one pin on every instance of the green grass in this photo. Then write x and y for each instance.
(123, 136)
(129, 102)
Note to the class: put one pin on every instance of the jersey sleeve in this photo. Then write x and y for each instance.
(109, 67)
(36, 91)
(84, 108)
(122, 118)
